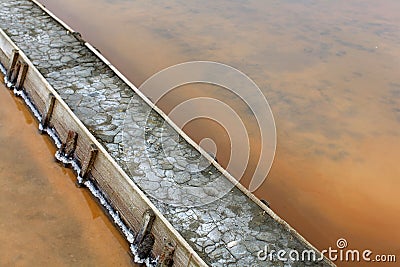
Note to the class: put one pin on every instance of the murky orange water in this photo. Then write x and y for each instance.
(330, 70)
(45, 219)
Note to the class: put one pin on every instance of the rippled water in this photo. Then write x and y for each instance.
(330, 70)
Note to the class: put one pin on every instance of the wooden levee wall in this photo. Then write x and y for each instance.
(100, 168)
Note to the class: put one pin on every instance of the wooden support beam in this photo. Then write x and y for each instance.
(13, 62)
(21, 76)
(144, 249)
(78, 37)
(89, 161)
(147, 224)
(15, 72)
(51, 100)
(167, 256)
(68, 148)
(189, 260)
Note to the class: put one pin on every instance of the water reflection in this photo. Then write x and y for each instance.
(330, 72)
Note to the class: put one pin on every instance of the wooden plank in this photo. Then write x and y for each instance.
(167, 256)
(49, 110)
(89, 161)
(15, 72)
(147, 223)
(4, 60)
(13, 62)
(146, 246)
(68, 147)
(120, 194)
(21, 76)
(33, 83)
(7, 48)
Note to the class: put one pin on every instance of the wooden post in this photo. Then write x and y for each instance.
(13, 62)
(147, 224)
(68, 148)
(189, 260)
(15, 72)
(48, 112)
(89, 161)
(21, 77)
(78, 37)
(144, 249)
(167, 256)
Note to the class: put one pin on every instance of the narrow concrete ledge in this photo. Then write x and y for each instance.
(82, 99)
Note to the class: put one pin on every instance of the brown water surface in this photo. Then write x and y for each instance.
(330, 70)
(45, 219)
